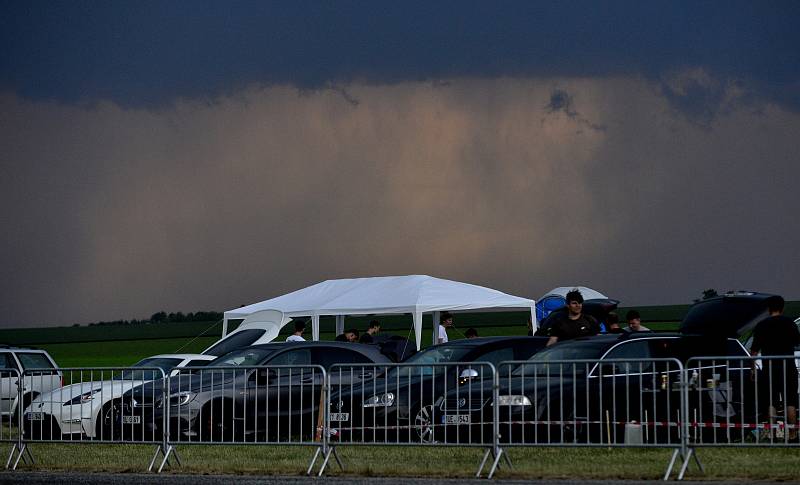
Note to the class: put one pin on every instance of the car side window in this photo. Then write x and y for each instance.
(292, 357)
(496, 356)
(6, 362)
(35, 360)
(198, 363)
(635, 349)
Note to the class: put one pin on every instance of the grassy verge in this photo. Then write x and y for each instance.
(529, 463)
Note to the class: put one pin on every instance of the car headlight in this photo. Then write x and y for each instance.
(82, 399)
(381, 400)
(180, 398)
(513, 400)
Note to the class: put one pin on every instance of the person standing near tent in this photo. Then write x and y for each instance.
(574, 323)
(374, 328)
(445, 322)
(297, 336)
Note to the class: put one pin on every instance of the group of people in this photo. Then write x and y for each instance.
(351, 335)
(368, 337)
(574, 323)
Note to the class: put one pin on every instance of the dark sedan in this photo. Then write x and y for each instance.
(268, 392)
(607, 389)
(398, 404)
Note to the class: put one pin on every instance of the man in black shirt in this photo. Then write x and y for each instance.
(777, 335)
(574, 323)
(374, 328)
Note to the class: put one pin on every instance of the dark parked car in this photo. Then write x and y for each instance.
(236, 399)
(397, 405)
(555, 398)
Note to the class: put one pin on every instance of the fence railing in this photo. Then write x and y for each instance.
(10, 415)
(749, 401)
(646, 403)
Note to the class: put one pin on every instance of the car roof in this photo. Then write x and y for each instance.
(481, 341)
(608, 340)
(9, 348)
(182, 356)
(370, 350)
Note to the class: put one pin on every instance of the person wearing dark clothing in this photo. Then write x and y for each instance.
(777, 335)
(612, 324)
(374, 328)
(574, 323)
(471, 333)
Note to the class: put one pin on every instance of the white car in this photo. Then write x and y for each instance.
(74, 411)
(43, 376)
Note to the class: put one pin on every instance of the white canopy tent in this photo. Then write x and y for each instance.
(415, 294)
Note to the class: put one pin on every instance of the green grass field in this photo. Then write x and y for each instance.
(529, 463)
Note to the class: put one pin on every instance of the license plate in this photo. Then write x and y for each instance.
(339, 416)
(456, 419)
(35, 416)
(131, 419)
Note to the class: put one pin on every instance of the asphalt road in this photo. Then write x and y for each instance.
(30, 478)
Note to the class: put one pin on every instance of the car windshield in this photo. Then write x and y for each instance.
(241, 357)
(539, 363)
(431, 355)
(163, 363)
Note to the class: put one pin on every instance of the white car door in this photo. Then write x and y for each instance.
(8, 383)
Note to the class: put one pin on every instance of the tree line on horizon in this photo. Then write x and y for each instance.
(164, 317)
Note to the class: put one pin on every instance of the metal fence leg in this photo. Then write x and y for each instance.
(324, 463)
(699, 465)
(483, 462)
(671, 463)
(498, 454)
(508, 460)
(11, 455)
(169, 451)
(27, 451)
(153, 461)
(20, 455)
(177, 458)
(313, 460)
(336, 457)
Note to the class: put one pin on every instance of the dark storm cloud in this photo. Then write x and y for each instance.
(152, 52)
(119, 212)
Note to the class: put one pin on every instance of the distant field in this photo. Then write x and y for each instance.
(122, 345)
(120, 353)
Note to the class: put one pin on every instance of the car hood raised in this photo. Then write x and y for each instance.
(729, 315)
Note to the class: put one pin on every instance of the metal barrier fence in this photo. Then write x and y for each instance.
(87, 409)
(257, 405)
(754, 402)
(647, 403)
(396, 404)
(9, 411)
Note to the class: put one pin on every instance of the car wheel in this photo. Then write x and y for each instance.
(423, 424)
(218, 422)
(107, 420)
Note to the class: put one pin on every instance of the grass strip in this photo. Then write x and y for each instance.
(529, 463)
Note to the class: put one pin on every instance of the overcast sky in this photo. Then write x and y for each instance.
(186, 156)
